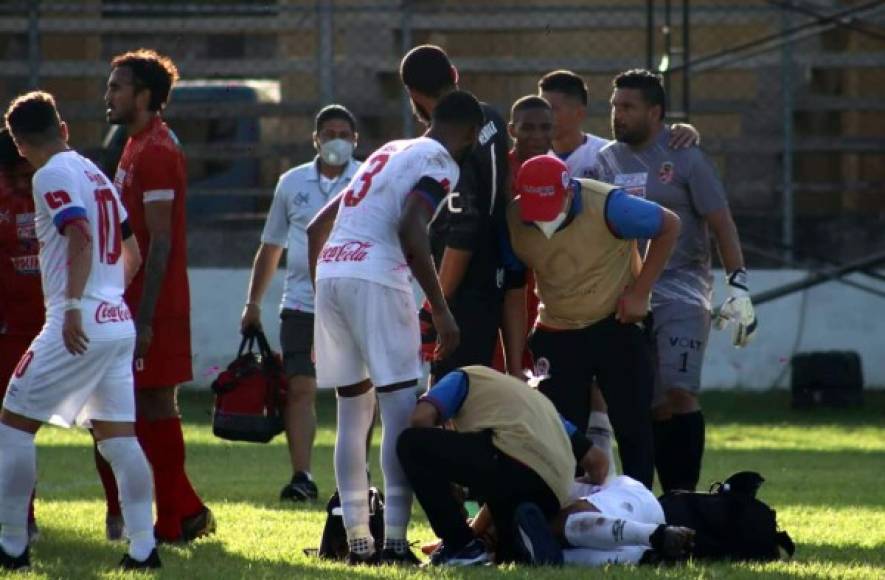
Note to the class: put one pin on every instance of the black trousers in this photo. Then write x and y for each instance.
(435, 458)
(478, 321)
(619, 357)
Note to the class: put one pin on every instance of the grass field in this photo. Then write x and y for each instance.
(824, 472)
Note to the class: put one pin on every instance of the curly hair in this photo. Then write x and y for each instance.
(151, 71)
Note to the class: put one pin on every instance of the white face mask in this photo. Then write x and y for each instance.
(336, 151)
(549, 228)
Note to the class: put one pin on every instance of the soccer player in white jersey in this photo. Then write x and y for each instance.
(79, 368)
(366, 331)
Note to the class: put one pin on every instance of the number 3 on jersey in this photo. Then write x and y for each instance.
(109, 237)
(376, 164)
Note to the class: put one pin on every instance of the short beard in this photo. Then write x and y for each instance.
(119, 119)
(630, 137)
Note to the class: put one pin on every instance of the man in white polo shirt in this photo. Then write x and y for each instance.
(301, 192)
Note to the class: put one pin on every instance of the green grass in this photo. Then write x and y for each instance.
(824, 472)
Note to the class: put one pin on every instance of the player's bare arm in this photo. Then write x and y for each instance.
(727, 240)
(683, 135)
(416, 248)
(633, 305)
(513, 323)
(452, 268)
(424, 415)
(131, 259)
(158, 218)
(79, 267)
(318, 232)
(738, 307)
(266, 261)
(595, 466)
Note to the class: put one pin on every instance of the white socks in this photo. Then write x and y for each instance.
(135, 482)
(602, 532)
(599, 430)
(396, 409)
(354, 420)
(18, 474)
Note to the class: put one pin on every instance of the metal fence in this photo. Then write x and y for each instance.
(786, 94)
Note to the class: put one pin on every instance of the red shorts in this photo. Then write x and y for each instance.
(168, 360)
(12, 347)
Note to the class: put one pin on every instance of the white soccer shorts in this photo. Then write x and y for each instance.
(52, 385)
(623, 498)
(363, 330)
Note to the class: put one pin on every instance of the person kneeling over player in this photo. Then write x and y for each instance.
(509, 446)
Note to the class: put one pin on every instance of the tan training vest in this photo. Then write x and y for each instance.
(582, 270)
(525, 425)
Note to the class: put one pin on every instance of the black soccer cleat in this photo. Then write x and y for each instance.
(22, 562)
(673, 542)
(152, 562)
(473, 554)
(198, 525)
(301, 488)
(391, 557)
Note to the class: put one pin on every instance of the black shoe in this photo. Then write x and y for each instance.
(21, 562)
(198, 525)
(149, 563)
(391, 557)
(354, 559)
(532, 539)
(301, 488)
(473, 554)
(672, 541)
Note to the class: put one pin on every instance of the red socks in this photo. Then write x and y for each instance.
(163, 444)
(112, 496)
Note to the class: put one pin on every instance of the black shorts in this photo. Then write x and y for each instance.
(478, 323)
(296, 340)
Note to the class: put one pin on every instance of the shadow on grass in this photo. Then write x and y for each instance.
(253, 474)
(63, 554)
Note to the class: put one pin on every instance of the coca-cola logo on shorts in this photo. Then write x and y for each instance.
(347, 252)
(112, 313)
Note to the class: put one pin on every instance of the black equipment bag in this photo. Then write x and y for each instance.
(831, 379)
(333, 543)
(729, 522)
(249, 394)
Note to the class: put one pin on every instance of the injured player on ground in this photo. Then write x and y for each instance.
(620, 522)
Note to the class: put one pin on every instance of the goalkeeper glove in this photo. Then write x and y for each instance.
(738, 308)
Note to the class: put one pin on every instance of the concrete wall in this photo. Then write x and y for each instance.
(832, 316)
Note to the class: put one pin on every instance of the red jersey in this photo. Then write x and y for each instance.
(152, 168)
(21, 296)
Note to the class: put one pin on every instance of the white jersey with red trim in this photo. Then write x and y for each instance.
(582, 161)
(364, 242)
(66, 189)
